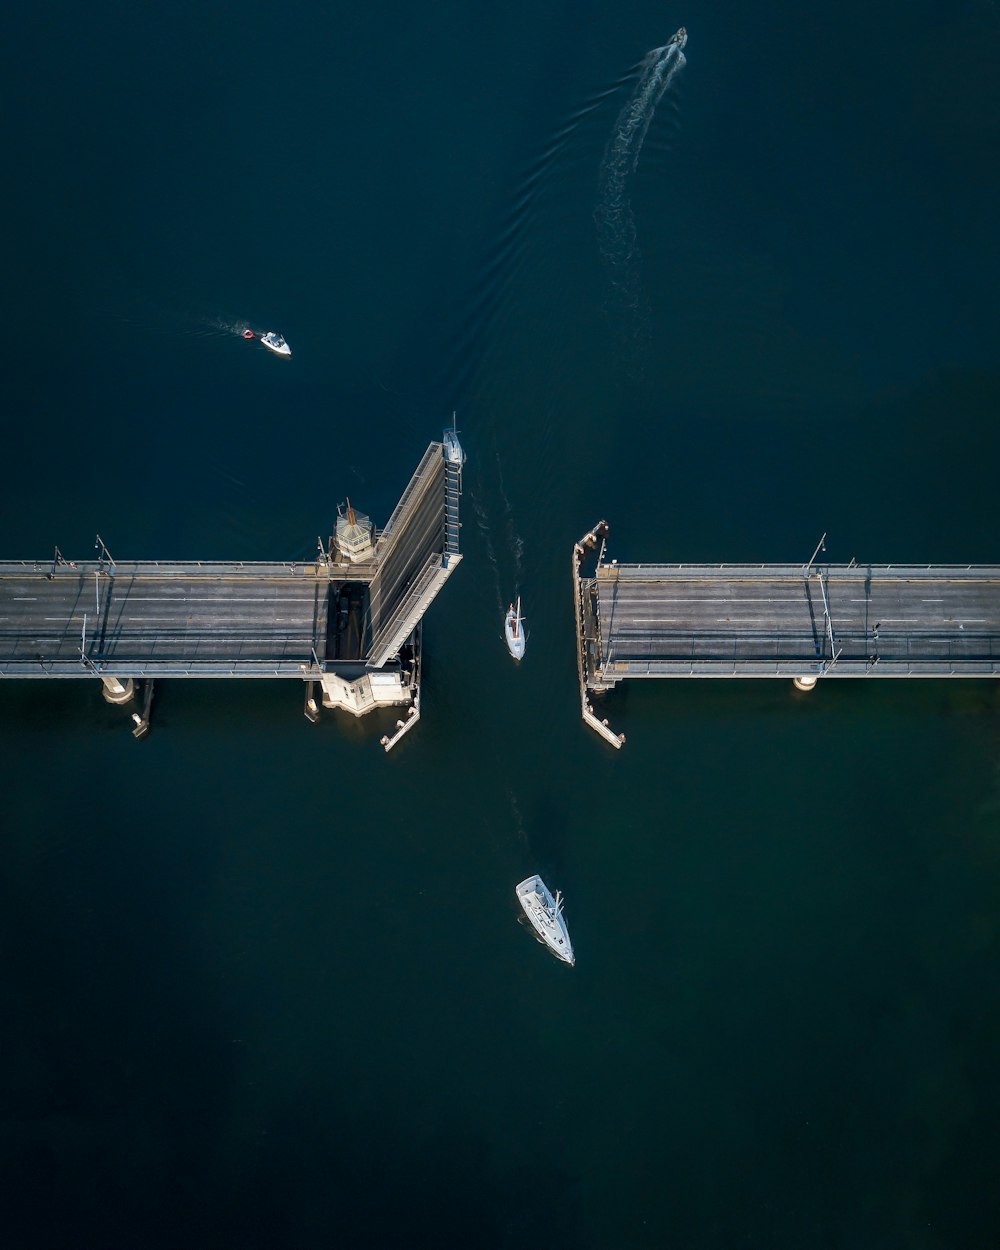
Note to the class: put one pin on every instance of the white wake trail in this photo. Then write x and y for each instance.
(483, 522)
(674, 65)
(515, 542)
(615, 223)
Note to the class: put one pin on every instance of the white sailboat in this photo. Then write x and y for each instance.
(453, 450)
(513, 629)
(546, 916)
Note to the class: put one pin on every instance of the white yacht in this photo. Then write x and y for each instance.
(275, 343)
(545, 914)
(513, 629)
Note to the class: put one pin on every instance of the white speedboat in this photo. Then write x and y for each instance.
(545, 914)
(513, 629)
(275, 343)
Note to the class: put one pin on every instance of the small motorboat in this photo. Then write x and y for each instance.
(513, 629)
(545, 914)
(275, 343)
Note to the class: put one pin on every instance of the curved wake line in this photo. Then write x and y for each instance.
(507, 253)
(483, 522)
(613, 215)
(515, 542)
(504, 545)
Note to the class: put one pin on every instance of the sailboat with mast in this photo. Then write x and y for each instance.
(513, 629)
(546, 916)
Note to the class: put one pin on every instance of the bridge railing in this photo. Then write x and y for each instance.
(926, 654)
(932, 572)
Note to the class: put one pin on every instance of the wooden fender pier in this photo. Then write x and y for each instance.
(805, 622)
(347, 625)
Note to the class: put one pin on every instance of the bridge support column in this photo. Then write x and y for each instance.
(804, 684)
(117, 691)
(312, 707)
(140, 722)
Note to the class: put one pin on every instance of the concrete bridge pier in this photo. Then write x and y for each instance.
(117, 691)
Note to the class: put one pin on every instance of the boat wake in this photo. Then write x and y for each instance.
(518, 819)
(616, 234)
(483, 524)
(225, 326)
(503, 544)
(515, 542)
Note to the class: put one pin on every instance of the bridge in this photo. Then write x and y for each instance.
(803, 622)
(347, 621)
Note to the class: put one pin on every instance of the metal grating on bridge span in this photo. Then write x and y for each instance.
(417, 553)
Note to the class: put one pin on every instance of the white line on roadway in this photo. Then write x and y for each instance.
(625, 599)
(212, 599)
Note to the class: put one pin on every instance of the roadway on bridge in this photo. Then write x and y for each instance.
(656, 620)
(158, 620)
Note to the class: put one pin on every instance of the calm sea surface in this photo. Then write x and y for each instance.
(261, 985)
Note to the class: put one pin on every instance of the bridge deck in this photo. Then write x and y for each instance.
(162, 619)
(783, 620)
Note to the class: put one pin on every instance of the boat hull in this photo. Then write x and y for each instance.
(453, 451)
(513, 630)
(515, 643)
(545, 917)
(275, 344)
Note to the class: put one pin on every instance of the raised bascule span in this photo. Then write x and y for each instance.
(805, 622)
(346, 623)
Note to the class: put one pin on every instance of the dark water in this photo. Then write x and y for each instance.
(263, 986)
